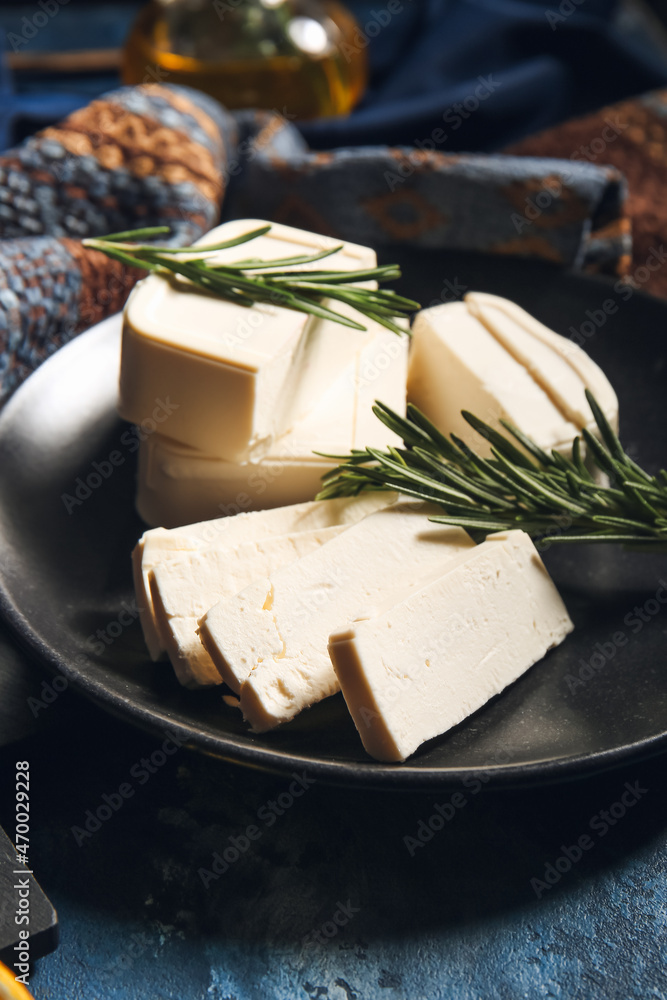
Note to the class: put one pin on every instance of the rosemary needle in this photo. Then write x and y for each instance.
(252, 280)
(546, 494)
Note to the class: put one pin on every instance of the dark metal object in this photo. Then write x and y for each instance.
(43, 925)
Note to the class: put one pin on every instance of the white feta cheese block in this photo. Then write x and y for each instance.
(420, 667)
(490, 357)
(234, 378)
(456, 363)
(556, 363)
(159, 544)
(153, 546)
(184, 588)
(177, 484)
(270, 640)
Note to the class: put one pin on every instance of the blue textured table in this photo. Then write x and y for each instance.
(177, 876)
(201, 880)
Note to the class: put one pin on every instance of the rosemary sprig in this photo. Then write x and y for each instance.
(545, 494)
(252, 280)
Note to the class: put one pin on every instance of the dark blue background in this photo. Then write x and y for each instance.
(424, 59)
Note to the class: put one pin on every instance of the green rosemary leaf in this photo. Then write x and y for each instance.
(408, 431)
(463, 482)
(538, 487)
(635, 541)
(554, 498)
(498, 441)
(133, 234)
(479, 524)
(608, 436)
(448, 449)
(578, 461)
(257, 264)
(246, 282)
(534, 450)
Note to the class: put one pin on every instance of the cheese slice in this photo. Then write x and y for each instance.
(456, 363)
(222, 533)
(177, 484)
(235, 378)
(420, 667)
(184, 588)
(556, 363)
(490, 357)
(270, 640)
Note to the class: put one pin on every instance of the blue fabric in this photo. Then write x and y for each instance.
(471, 202)
(162, 156)
(142, 157)
(550, 66)
(35, 107)
(424, 59)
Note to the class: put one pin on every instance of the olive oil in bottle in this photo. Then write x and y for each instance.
(303, 58)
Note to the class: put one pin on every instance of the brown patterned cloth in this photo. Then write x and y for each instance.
(632, 137)
(142, 156)
(162, 155)
(569, 214)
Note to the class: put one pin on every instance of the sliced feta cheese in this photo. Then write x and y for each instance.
(154, 545)
(489, 356)
(234, 378)
(177, 484)
(184, 588)
(420, 667)
(556, 363)
(159, 544)
(270, 640)
(456, 363)
(192, 665)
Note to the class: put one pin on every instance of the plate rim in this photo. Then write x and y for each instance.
(398, 777)
(356, 774)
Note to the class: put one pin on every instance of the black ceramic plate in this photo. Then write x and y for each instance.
(65, 571)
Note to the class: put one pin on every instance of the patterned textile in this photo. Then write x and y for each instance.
(148, 155)
(50, 290)
(632, 137)
(164, 155)
(571, 214)
(137, 157)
